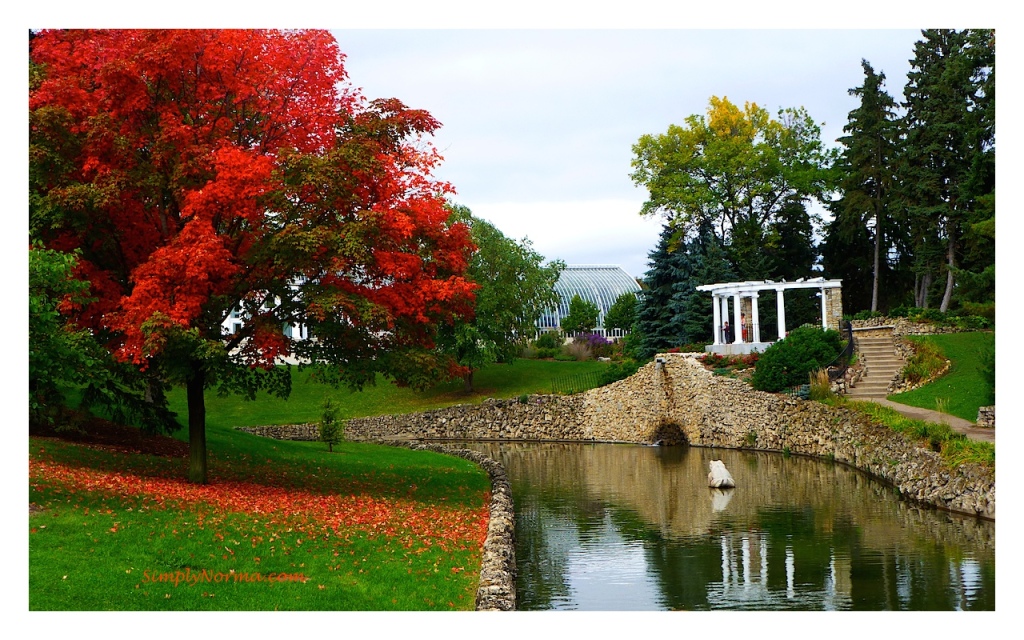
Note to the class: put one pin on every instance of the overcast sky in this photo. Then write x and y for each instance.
(538, 125)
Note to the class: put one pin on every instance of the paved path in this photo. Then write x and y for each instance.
(966, 427)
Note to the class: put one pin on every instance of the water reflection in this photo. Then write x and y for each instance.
(618, 527)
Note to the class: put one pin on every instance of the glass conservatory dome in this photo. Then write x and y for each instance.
(599, 284)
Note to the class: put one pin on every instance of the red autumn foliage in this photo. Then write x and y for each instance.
(200, 171)
(175, 158)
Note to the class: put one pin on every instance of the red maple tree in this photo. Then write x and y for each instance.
(204, 171)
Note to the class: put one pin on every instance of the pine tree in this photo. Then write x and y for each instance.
(655, 315)
(672, 312)
(863, 212)
(943, 148)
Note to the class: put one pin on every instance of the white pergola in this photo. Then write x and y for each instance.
(723, 291)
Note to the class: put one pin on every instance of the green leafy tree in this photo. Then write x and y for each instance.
(622, 313)
(582, 316)
(59, 356)
(733, 171)
(62, 357)
(515, 286)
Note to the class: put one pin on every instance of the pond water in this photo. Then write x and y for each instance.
(605, 527)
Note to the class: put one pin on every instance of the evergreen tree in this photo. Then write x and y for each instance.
(863, 214)
(657, 307)
(671, 311)
(944, 152)
(710, 265)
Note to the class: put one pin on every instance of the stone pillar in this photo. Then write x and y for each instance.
(780, 299)
(834, 308)
(717, 327)
(737, 325)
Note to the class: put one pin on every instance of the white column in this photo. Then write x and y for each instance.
(737, 328)
(780, 300)
(725, 313)
(824, 310)
(717, 329)
(756, 336)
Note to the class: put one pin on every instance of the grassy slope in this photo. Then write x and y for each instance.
(963, 388)
(303, 405)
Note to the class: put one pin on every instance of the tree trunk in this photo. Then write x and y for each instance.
(196, 424)
(467, 382)
(878, 244)
(923, 283)
(947, 296)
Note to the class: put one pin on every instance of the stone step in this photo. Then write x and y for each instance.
(874, 389)
(869, 384)
(883, 364)
(889, 350)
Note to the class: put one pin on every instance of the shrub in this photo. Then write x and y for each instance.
(549, 340)
(789, 362)
(867, 315)
(633, 345)
(933, 316)
(971, 323)
(544, 353)
(619, 371)
(331, 430)
(598, 345)
(986, 310)
(529, 352)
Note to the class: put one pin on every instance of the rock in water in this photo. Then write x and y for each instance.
(720, 478)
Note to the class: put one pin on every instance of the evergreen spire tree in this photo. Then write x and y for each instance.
(658, 306)
(863, 212)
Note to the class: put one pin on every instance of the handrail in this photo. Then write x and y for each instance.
(838, 371)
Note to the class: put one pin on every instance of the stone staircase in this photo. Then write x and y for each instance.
(881, 365)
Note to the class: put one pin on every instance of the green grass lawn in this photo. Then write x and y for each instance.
(304, 403)
(962, 389)
(282, 525)
(367, 527)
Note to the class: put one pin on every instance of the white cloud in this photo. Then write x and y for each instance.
(579, 232)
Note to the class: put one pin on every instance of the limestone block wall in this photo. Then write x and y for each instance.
(723, 412)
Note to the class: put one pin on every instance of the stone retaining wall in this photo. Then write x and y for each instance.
(904, 327)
